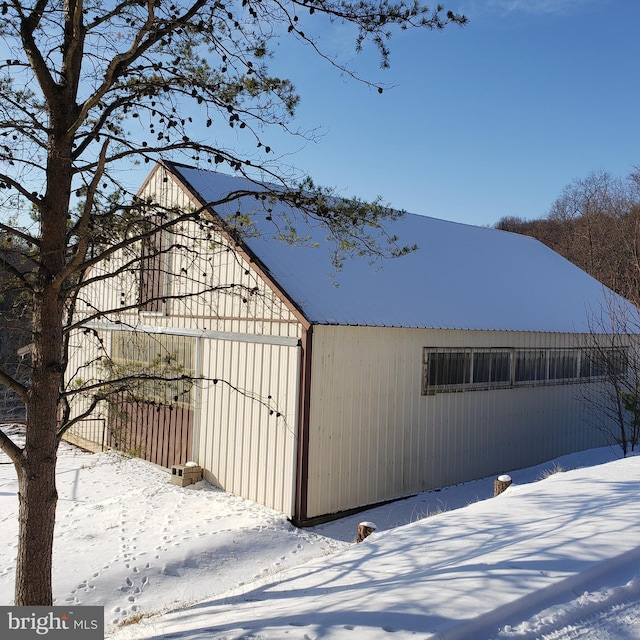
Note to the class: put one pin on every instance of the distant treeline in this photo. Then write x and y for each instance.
(15, 309)
(595, 224)
(15, 324)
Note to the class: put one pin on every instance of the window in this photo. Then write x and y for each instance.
(602, 363)
(454, 369)
(492, 367)
(160, 366)
(563, 364)
(447, 368)
(467, 369)
(531, 365)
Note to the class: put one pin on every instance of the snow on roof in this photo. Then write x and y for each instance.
(460, 277)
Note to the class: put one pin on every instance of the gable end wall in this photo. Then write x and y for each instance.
(244, 431)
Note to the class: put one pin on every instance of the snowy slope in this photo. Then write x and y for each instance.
(555, 557)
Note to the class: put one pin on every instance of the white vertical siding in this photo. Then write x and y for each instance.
(247, 442)
(86, 349)
(240, 441)
(230, 295)
(375, 437)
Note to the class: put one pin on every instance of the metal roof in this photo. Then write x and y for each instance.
(460, 277)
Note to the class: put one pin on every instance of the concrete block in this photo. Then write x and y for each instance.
(185, 474)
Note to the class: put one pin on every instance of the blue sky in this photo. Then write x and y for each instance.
(485, 121)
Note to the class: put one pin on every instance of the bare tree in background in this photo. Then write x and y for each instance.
(610, 359)
(594, 223)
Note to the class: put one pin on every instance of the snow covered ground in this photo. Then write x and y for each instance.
(557, 556)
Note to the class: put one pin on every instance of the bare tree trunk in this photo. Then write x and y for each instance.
(37, 491)
(622, 423)
(37, 507)
(36, 470)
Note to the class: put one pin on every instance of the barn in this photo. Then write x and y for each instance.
(322, 392)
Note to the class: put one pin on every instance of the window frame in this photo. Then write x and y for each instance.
(528, 366)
